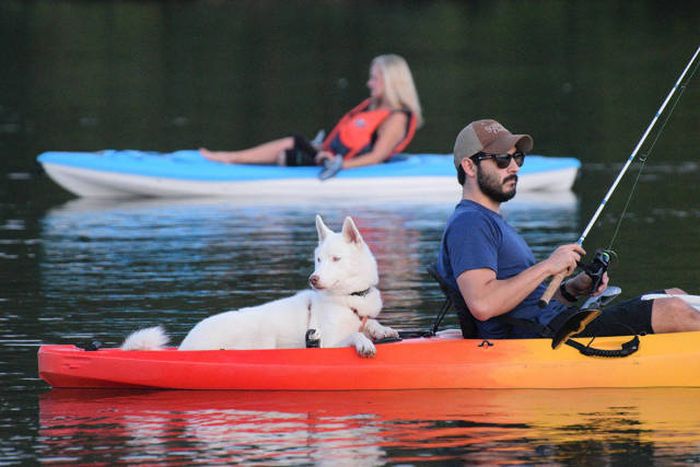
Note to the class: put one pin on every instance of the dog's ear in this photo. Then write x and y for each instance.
(321, 228)
(350, 232)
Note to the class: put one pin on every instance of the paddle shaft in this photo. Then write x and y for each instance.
(556, 280)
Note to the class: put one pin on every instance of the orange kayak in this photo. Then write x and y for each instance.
(445, 362)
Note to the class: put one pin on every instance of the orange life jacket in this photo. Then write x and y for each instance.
(356, 131)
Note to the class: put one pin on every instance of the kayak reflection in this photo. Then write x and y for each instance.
(369, 427)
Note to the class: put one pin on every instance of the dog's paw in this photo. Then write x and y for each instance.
(376, 331)
(365, 348)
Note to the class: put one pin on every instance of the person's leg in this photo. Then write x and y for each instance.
(266, 153)
(637, 316)
(674, 314)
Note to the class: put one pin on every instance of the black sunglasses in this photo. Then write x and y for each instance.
(502, 160)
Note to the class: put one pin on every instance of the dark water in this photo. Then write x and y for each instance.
(584, 78)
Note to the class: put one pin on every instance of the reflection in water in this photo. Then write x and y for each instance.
(177, 261)
(368, 428)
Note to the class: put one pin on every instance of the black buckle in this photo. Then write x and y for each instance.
(311, 343)
(91, 346)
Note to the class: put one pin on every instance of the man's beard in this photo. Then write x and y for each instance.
(493, 188)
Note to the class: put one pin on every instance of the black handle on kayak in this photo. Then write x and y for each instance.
(91, 346)
(626, 349)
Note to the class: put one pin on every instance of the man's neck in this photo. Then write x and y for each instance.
(478, 197)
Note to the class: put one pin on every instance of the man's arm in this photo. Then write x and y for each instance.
(486, 296)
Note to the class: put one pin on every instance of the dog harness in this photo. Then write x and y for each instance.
(310, 331)
(356, 132)
(363, 320)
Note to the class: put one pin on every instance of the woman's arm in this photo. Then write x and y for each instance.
(389, 135)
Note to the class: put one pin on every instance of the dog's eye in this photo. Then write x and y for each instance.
(318, 260)
(336, 259)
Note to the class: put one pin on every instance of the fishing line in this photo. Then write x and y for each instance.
(637, 147)
(644, 157)
(604, 256)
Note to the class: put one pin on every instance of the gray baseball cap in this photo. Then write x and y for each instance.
(490, 137)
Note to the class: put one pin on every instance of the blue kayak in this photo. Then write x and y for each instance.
(131, 173)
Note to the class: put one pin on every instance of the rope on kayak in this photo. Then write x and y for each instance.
(626, 349)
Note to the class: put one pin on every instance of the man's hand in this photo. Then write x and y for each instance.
(581, 283)
(565, 259)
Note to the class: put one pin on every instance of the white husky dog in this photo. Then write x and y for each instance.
(340, 307)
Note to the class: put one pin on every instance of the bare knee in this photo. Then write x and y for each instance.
(675, 291)
(673, 315)
(287, 142)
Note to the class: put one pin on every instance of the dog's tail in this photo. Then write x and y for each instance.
(146, 339)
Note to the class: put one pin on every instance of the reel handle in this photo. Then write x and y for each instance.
(551, 289)
(598, 267)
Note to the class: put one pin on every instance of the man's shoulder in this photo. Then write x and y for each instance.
(469, 212)
(475, 223)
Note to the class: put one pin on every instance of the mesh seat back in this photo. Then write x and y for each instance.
(454, 299)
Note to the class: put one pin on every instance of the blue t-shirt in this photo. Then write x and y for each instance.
(478, 238)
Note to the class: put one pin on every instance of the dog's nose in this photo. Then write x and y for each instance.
(314, 281)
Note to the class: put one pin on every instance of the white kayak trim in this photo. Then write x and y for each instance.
(692, 300)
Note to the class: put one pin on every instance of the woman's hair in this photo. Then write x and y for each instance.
(399, 89)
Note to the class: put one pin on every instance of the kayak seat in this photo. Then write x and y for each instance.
(453, 300)
(568, 323)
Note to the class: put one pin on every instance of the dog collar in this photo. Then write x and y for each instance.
(362, 293)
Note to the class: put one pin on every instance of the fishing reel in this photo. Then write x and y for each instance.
(595, 270)
(598, 266)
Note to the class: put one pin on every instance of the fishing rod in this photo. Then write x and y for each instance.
(603, 258)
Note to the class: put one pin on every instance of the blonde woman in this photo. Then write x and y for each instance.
(372, 132)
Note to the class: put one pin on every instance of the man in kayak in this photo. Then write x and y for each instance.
(376, 129)
(492, 268)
